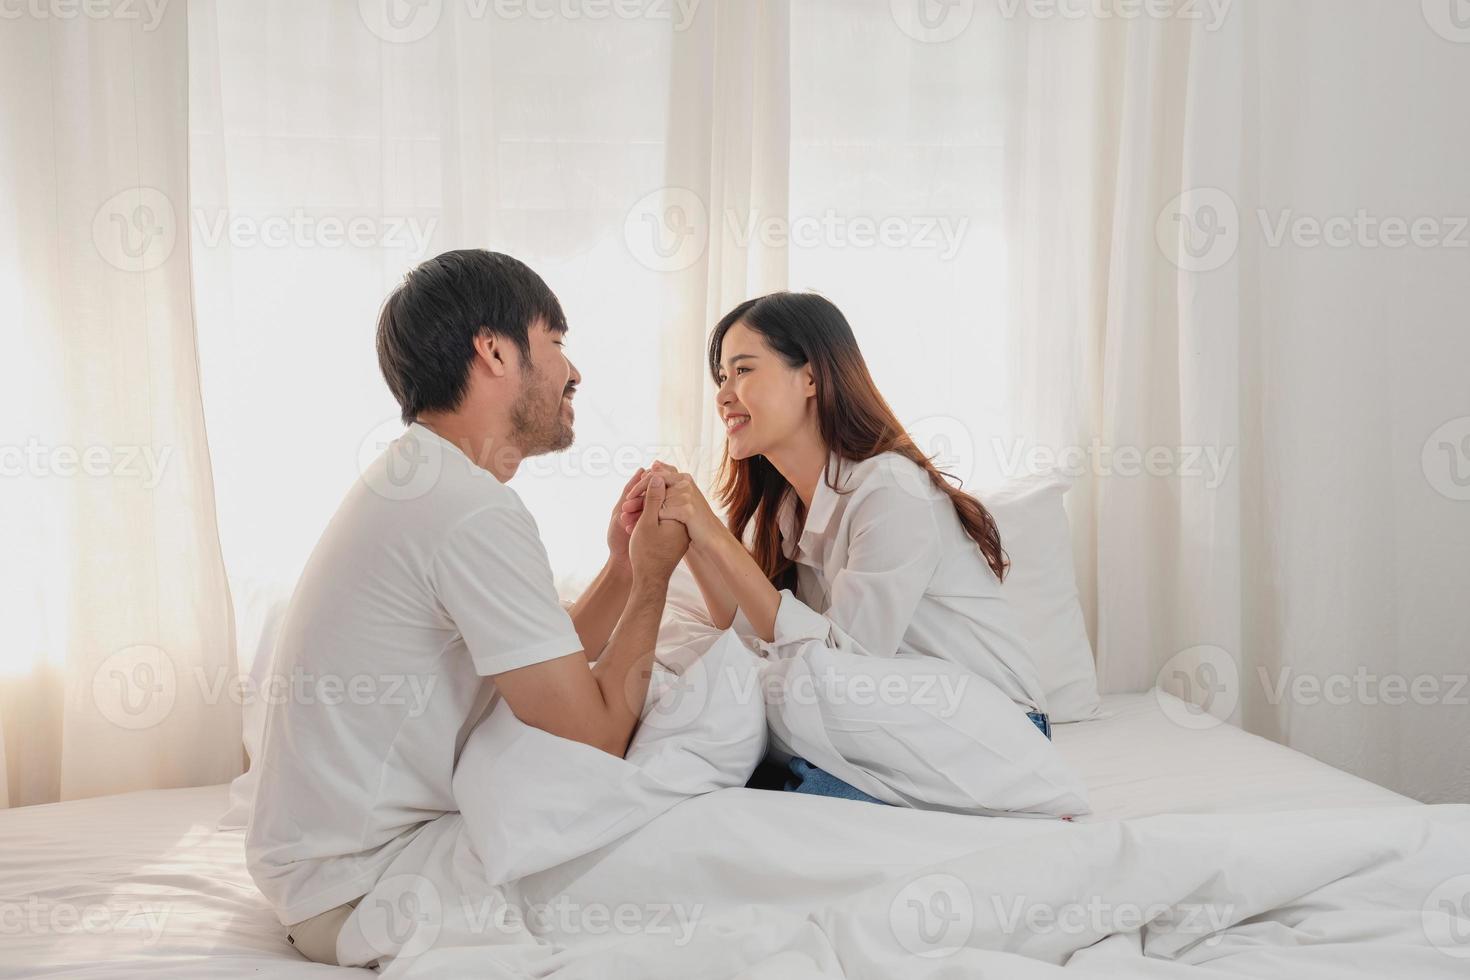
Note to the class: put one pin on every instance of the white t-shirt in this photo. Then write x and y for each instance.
(430, 577)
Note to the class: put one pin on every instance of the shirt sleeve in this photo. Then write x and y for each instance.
(893, 551)
(493, 579)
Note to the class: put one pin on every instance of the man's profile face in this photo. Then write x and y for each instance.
(542, 415)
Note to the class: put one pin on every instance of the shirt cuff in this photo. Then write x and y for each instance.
(796, 623)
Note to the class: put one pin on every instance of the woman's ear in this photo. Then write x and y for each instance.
(808, 381)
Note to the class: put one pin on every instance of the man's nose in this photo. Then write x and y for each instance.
(576, 376)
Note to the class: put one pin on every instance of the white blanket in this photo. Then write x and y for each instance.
(532, 801)
(730, 885)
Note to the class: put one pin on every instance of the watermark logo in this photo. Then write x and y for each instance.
(150, 12)
(1205, 684)
(1450, 19)
(946, 442)
(1446, 917)
(135, 687)
(940, 693)
(562, 917)
(667, 230)
(1364, 687)
(144, 463)
(401, 916)
(1363, 229)
(1446, 459)
(941, 234)
(397, 464)
(933, 916)
(1210, 13)
(932, 21)
(1210, 465)
(300, 228)
(37, 916)
(135, 229)
(1199, 231)
(1096, 916)
(400, 21)
(675, 700)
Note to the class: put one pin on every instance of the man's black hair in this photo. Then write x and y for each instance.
(428, 326)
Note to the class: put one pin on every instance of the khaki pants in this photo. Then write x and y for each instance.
(316, 937)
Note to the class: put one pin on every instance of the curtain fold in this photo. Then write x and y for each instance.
(728, 157)
(117, 660)
(1283, 564)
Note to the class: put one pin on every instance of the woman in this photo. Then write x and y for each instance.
(856, 539)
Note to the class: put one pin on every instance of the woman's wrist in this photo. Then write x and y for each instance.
(712, 538)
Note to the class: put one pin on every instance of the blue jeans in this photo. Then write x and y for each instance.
(807, 778)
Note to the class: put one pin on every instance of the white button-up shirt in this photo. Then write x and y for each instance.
(885, 568)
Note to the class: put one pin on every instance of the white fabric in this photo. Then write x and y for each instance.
(885, 569)
(116, 656)
(1313, 529)
(919, 732)
(532, 801)
(189, 897)
(258, 616)
(1041, 587)
(701, 731)
(430, 579)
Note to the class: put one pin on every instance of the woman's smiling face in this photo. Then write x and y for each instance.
(762, 400)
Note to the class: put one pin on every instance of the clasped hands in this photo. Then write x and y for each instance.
(683, 502)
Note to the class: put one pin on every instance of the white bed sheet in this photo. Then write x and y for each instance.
(141, 884)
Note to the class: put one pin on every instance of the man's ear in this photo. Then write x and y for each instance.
(492, 352)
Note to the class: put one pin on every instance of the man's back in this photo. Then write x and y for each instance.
(430, 577)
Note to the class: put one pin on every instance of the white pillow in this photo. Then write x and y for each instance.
(532, 801)
(1042, 588)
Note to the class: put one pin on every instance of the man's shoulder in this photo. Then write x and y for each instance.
(419, 485)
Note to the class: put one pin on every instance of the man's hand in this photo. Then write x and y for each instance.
(657, 545)
(632, 503)
(618, 530)
(683, 502)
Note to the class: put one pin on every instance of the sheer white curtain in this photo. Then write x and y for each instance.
(1267, 436)
(1288, 337)
(116, 657)
(656, 165)
(995, 194)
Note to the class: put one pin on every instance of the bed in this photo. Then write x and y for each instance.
(772, 884)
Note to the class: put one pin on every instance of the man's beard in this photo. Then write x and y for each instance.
(536, 423)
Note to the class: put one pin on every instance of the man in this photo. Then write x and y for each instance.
(432, 577)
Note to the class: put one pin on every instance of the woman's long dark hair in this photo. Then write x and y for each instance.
(852, 417)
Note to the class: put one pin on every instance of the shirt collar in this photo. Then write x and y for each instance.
(819, 515)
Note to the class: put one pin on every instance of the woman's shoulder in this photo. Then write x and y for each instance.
(892, 479)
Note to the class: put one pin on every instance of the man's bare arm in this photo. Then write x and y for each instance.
(601, 706)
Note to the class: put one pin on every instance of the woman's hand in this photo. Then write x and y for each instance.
(682, 502)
